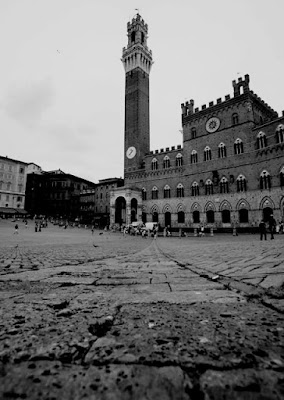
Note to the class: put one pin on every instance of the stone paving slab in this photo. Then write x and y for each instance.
(113, 317)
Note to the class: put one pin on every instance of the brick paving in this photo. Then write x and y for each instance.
(113, 317)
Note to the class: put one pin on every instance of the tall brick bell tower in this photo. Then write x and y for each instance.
(126, 201)
(137, 62)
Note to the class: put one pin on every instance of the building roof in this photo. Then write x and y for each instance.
(13, 160)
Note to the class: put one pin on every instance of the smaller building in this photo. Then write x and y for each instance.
(13, 176)
(55, 194)
(95, 203)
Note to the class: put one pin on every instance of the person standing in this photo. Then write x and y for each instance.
(262, 230)
(272, 224)
(16, 229)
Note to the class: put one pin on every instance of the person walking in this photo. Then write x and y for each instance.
(272, 224)
(16, 229)
(262, 230)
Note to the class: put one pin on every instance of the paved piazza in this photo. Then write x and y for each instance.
(110, 317)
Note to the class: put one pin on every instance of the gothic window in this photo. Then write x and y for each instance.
(226, 216)
(238, 146)
(195, 189)
(280, 134)
(180, 190)
(207, 153)
(144, 194)
(265, 180)
(155, 193)
(154, 164)
(241, 184)
(181, 217)
(282, 177)
(193, 157)
(224, 185)
(261, 140)
(208, 187)
(193, 133)
(222, 153)
(196, 217)
(210, 216)
(166, 162)
(235, 119)
(133, 36)
(243, 215)
(179, 160)
(167, 192)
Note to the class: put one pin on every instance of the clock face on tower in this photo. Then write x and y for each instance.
(130, 152)
(212, 124)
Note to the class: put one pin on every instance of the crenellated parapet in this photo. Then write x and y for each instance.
(241, 86)
(241, 92)
(166, 150)
(137, 54)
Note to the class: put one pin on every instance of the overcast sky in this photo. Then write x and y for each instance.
(62, 80)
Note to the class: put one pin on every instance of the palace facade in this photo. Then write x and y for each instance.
(229, 170)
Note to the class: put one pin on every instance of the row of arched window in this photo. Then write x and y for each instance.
(222, 151)
(241, 183)
(167, 162)
(262, 139)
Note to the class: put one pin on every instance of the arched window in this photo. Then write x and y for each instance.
(133, 36)
(193, 133)
(282, 177)
(179, 160)
(193, 157)
(208, 187)
(280, 134)
(222, 153)
(235, 119)
(180, 190)
(154, 164)
(261, 140)
(210, 216)
(241, 184)
(195, 189)
(224, 185)
(238, 146)
(144, 194)
(196, 217)
(181, 217)
(265, 180)
(226, 216)
(166, 162)
(155, 193)
(243, 215)
(167, 192)
(207, 153)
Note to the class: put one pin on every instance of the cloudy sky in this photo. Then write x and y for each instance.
(62, 81)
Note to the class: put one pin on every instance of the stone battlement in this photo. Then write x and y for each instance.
(241, 86)
(166, 150)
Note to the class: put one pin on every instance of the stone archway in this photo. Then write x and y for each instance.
(168, 219)
(267, 207)
(120, 210)
(266, 212)
(133, 205)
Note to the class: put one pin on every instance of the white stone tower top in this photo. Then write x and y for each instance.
(137, 54)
